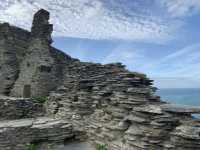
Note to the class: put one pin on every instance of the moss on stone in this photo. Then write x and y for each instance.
(101, 147)
(40, 99)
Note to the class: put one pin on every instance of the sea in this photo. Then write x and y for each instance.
(181, 96)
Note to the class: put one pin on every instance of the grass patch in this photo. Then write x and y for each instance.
(31, 147)
(40, 99)
(101, 147)
(140, 75)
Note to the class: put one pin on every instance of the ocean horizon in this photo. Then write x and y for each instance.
(183, 96)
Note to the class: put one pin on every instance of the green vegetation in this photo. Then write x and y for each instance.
(31, 147)
(152, 148)
(101, 147)
(40, 99)
(140, 75)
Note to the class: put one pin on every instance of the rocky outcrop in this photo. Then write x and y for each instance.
(105, 104)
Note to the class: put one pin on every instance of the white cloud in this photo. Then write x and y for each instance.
(181, 8)
(92, 19)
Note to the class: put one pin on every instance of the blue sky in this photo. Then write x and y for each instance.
(158, 37)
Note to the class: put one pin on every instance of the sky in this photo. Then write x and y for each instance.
(160, 38)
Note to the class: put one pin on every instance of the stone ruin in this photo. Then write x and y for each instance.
(102, 104)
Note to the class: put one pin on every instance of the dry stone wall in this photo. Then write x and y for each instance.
(22, 122)
(18, 134)
(20, 108)
(118, 108)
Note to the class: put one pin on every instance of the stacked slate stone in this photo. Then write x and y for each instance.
(20, 108)
(22, 123)
(8, 60)
(118, 108)
(13, 45)
(42, 132)
(27, 58)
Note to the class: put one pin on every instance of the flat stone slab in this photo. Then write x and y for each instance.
(16, 134)
(78, 146)
(181, 109)
(188, 132)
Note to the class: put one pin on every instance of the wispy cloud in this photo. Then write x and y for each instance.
(180, 63)
(178, 69)
(181, 82)
(131, 57)
(94, 19)
(181, 8)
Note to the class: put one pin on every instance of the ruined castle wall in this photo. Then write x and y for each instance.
(20, 42)
(9, 66)
(27, 58)
(35, 69)
(13, 47)
(18, 39)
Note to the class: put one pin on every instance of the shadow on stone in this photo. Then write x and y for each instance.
(27, 91)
